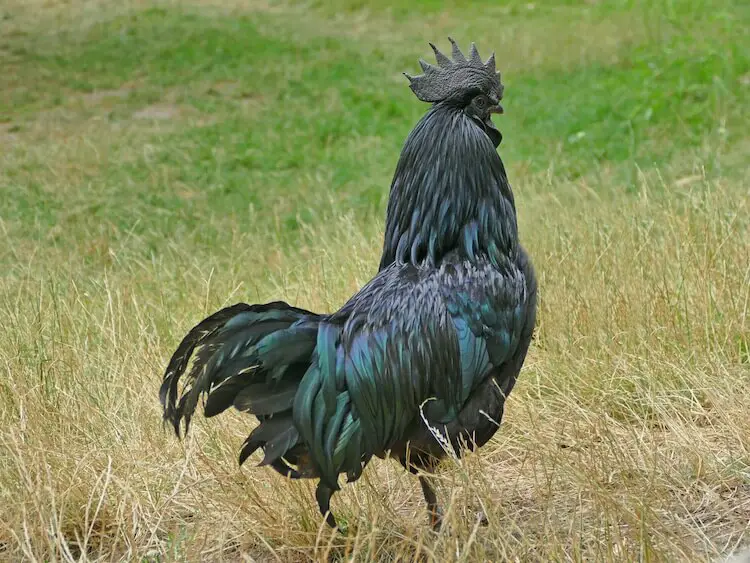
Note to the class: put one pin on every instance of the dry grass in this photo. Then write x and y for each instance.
(627, 437)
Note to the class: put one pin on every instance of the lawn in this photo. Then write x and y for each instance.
(161, 159)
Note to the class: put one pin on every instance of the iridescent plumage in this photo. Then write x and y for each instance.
(438, 335)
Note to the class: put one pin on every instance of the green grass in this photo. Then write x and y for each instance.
(159, 160)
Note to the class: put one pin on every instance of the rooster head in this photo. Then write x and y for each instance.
(467, 83)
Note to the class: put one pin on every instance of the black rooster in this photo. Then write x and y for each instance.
(422, 358)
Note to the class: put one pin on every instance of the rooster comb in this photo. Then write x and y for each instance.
(456, 77)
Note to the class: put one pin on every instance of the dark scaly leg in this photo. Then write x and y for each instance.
(323, 496)
(436, 514)
(414, 464)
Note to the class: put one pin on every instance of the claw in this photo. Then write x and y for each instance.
(436, 519)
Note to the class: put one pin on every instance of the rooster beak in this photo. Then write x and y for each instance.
(497, 109)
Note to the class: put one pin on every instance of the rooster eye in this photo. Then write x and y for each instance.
(480, 102)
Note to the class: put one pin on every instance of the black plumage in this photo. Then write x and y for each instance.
(432, 344)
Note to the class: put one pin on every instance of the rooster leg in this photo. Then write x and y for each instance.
(423, 466)
(323, 496)
(436, 515)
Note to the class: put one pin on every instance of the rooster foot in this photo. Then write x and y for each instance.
(436, 519)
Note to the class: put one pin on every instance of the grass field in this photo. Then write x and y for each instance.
(159, 160)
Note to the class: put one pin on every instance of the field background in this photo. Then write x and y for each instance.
(159, 160)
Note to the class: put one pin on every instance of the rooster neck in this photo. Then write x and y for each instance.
(449, 194)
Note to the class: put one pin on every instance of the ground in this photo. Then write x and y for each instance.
(159, 160)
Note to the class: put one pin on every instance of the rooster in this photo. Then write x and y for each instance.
(419, 362)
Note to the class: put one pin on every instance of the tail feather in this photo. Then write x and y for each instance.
(181, 357)
(236, 376)
(285, 366)
(264, 433)
(222, 395)
(285, 347)
(258, 398)
(232, 349)
(279, 445)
